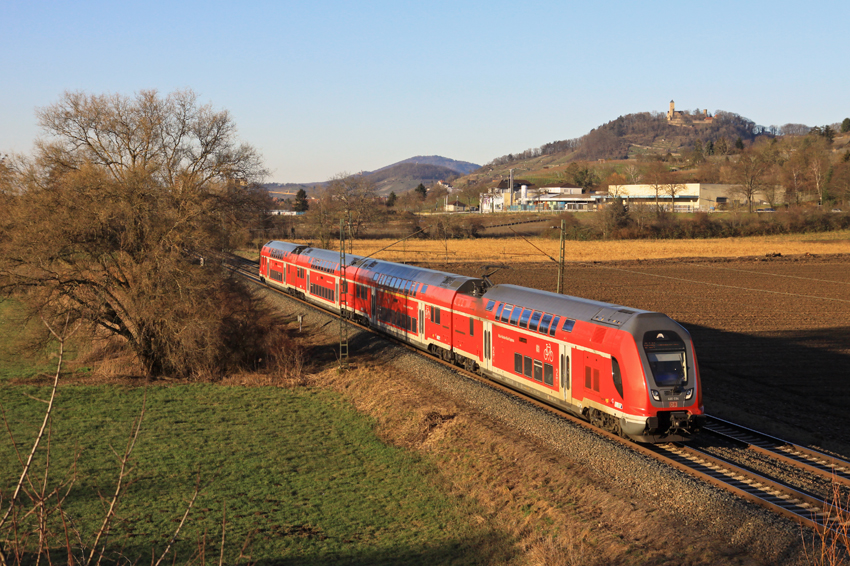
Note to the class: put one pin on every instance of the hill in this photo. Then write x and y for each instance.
(399, 177)
(633, 136)
(460, 167)
(406, 176)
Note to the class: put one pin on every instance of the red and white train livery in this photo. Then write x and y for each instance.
(626, 370)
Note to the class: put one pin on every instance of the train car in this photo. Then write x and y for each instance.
(626, 370)
(277, 261)
(629, 371)
(411, 303)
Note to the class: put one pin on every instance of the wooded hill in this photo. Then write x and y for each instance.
(651, 133)
(399, 177)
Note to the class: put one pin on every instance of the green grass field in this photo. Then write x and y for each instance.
(303, 476)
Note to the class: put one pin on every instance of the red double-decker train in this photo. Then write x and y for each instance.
(629, 371)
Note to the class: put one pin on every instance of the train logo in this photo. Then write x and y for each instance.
(548, 354)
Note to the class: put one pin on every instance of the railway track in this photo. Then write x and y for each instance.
(769, 492)
(806, 459)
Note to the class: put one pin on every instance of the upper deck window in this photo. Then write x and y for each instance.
(568, 325)
(535, 319)
(544, 324)
(506, 313)
(499, 311)
(523, 321)
(515, 315)
(554, 326)
(490, 305)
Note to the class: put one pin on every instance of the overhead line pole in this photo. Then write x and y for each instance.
(343, 300)
(561, 258)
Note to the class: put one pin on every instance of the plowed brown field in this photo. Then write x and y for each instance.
(772, 334)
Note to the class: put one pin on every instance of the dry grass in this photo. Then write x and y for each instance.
(516, 249)
(552, 508)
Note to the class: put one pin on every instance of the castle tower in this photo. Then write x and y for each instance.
(672, 111)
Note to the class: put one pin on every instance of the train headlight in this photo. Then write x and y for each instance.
(655, 395)
(689, 393)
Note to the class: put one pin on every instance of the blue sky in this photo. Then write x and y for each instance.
(321, 87)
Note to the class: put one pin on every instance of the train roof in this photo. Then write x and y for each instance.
(330, 256)
(283, 246)
(460, 283)
(563, 305)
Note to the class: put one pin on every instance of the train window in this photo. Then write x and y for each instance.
(595, 379)
(515, 315)
(538, 371)
(412, 324)
(523, 321)
(668, 368)
(435, 315)
(499, 311)
(587, 377)
(527, 369)
(568, 325)
(471, 326)
(424, 288)
(407, 286)
(506, 313)
(518, 363)
(490, 305)
(544, 324)
(618, 378)
(548, 374)
(535, 318)
(554, 326)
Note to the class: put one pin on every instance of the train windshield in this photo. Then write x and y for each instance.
(665, 351)
(668, 368)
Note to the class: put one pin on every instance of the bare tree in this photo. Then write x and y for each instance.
(111, 212)
(632, 173)
(749, 174)
(818, 167)
(673, 187)
(657, 176)
(355, 195)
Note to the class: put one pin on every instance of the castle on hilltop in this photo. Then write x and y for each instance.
(677, 117)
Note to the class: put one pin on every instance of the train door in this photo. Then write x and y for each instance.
(373, 315)
(487, 331)
(421, 323)
(566, 385)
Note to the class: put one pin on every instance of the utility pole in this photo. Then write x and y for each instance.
(511, 187)
(561, 258)
(343, 300)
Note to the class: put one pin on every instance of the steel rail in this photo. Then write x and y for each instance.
(794, 504)
(808, 459)
(784, 500)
